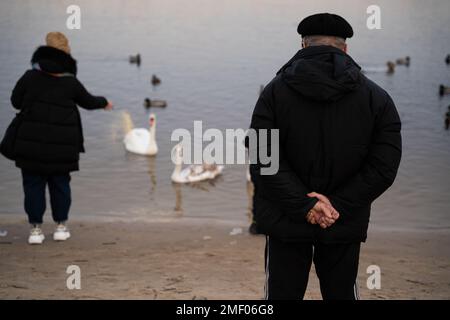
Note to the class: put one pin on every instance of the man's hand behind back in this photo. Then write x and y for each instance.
(323, 212)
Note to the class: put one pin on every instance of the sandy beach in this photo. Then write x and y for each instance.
(191, 259)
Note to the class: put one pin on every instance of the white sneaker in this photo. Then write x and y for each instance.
(36, 236)
(61, 233)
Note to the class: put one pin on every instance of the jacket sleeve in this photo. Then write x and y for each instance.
(87, 101)
(284, 187)
(19, 90)
(380, 167)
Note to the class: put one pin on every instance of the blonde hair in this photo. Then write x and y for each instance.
(58, 40)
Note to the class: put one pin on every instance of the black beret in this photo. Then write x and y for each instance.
(326, 24)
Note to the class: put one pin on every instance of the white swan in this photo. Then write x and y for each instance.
(142, 141)
(192, 173)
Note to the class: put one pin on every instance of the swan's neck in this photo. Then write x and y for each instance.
(152, 141)
(176, 170)
(151, 147)
(152, 133)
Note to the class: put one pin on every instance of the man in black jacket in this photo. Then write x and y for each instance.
(339, 149)
(50, 138)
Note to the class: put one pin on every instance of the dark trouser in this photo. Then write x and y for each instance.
(288, 266)
(34, 189)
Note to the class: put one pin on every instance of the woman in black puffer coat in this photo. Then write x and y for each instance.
(50, 136)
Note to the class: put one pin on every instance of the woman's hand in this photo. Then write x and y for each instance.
(109, 106)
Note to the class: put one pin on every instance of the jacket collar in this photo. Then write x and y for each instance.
(52, 60)
(311, 51)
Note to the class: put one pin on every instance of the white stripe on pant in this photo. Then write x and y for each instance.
(356, 290)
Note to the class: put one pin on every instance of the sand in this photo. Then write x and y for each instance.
(196, 259)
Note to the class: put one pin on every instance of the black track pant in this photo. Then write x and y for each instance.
(288, 266)
(60, 199)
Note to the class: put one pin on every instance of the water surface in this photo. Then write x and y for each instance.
(212, 57)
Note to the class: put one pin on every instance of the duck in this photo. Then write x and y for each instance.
(149, 103)
(142, 141)
(155, 80)
(390, 67)
(443, 90)
(135, 59)
(404, 61)
(192, 173)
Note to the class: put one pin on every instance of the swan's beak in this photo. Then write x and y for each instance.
(152, 120)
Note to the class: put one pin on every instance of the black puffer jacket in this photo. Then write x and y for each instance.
(50, 138)
(339, 136)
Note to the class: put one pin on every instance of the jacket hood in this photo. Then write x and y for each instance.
(322, 73)
(53, 60)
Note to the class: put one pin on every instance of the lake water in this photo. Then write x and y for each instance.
(212, 56)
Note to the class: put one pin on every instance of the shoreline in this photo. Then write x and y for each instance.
(243, 222)
(191, 258)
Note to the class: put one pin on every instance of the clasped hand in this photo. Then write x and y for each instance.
(323, 212)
